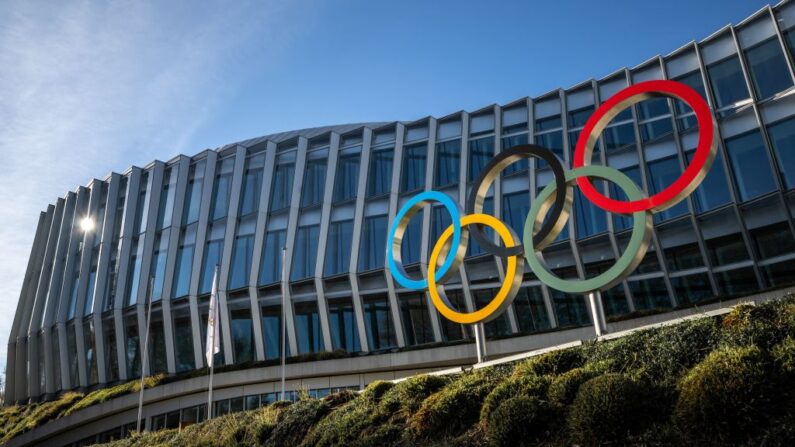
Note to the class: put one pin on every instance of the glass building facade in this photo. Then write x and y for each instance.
(306, 214)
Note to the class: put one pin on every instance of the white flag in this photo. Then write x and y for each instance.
(213, 329)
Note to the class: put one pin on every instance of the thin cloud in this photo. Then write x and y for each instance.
(89, 87)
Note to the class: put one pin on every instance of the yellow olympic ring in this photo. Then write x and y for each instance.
(507, 291)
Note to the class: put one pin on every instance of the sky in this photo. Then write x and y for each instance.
(90, 87)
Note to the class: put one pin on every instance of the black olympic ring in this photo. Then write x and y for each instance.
(559, 211)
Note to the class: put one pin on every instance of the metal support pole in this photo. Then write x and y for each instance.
(284, 316)
(597, 313)
(145, 354)
(480, 341)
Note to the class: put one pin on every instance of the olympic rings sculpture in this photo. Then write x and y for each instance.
(550, 210)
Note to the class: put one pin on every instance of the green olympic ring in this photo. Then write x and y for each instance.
(626, 263)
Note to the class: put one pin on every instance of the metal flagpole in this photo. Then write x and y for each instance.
(145, 354)
(480, 341)
(284, 315)
(212, 317)
(597, 313)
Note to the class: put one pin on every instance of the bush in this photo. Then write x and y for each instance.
(724, 397)
(344, 425)
(518, 421)
(611, 408)
(563, 389)
(784, 357)
(764, 325)
(406, 397)
(41, 413)
(555, 362)
(661, 355)
(456, 407)
(514, 386)
(295, 421)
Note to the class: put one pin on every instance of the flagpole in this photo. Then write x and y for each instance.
(212, 314)
(284, 315)
(145, 354)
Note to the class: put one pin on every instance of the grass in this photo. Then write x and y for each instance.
(726, 380)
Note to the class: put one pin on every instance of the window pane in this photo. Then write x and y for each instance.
(713, 190)
(132, 347)
(194, 192)
(515, 207)
(552, 141)
(683, 257)
(518, 166)
(212, 257)
(242, 253)
(617, 137)
(252, 185)
(726, 249)
(769, 71)
(728, 84)
(373, 245)
(159, 265)
(578, 118)
(338, 251)
(737, 282)
(307, 328)
(347, 177)
(653, 130)
(282, 185)
(305, 254)
(183, 341)
(779, 274)
(184, 262)
(752, 175)
(378, 322)
(589, 219)
(663, 173)
(772, 240)
(447, 162)
(167, 198)
(271, 264)
(450, 330)
(650, 294)
(223, 184)
(497, 327)
(413, 176)
(412, 239)
(314, 182)
(692, 289)
(272, 332)
(782, 137)
(549, 123)
(379, 181)
(242, 335)
(531, 314)
(652, 108)
(480, 153)
(614, 301)
(416, 319)
(342, 323)
(622, 222)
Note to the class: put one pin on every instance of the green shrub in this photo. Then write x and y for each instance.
(725, 396)
(555, 362)
(406, 397)
(40, 413)
(564, 387)
(784, 357)
(456, 407)
(764, 325)
(344, 425)
(611, 408)
(295, 421)
(661, 355)
(513, 386)
(519, 421)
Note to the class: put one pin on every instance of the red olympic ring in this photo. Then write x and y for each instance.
(682, 186)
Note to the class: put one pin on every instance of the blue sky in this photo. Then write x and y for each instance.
(88, 87)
